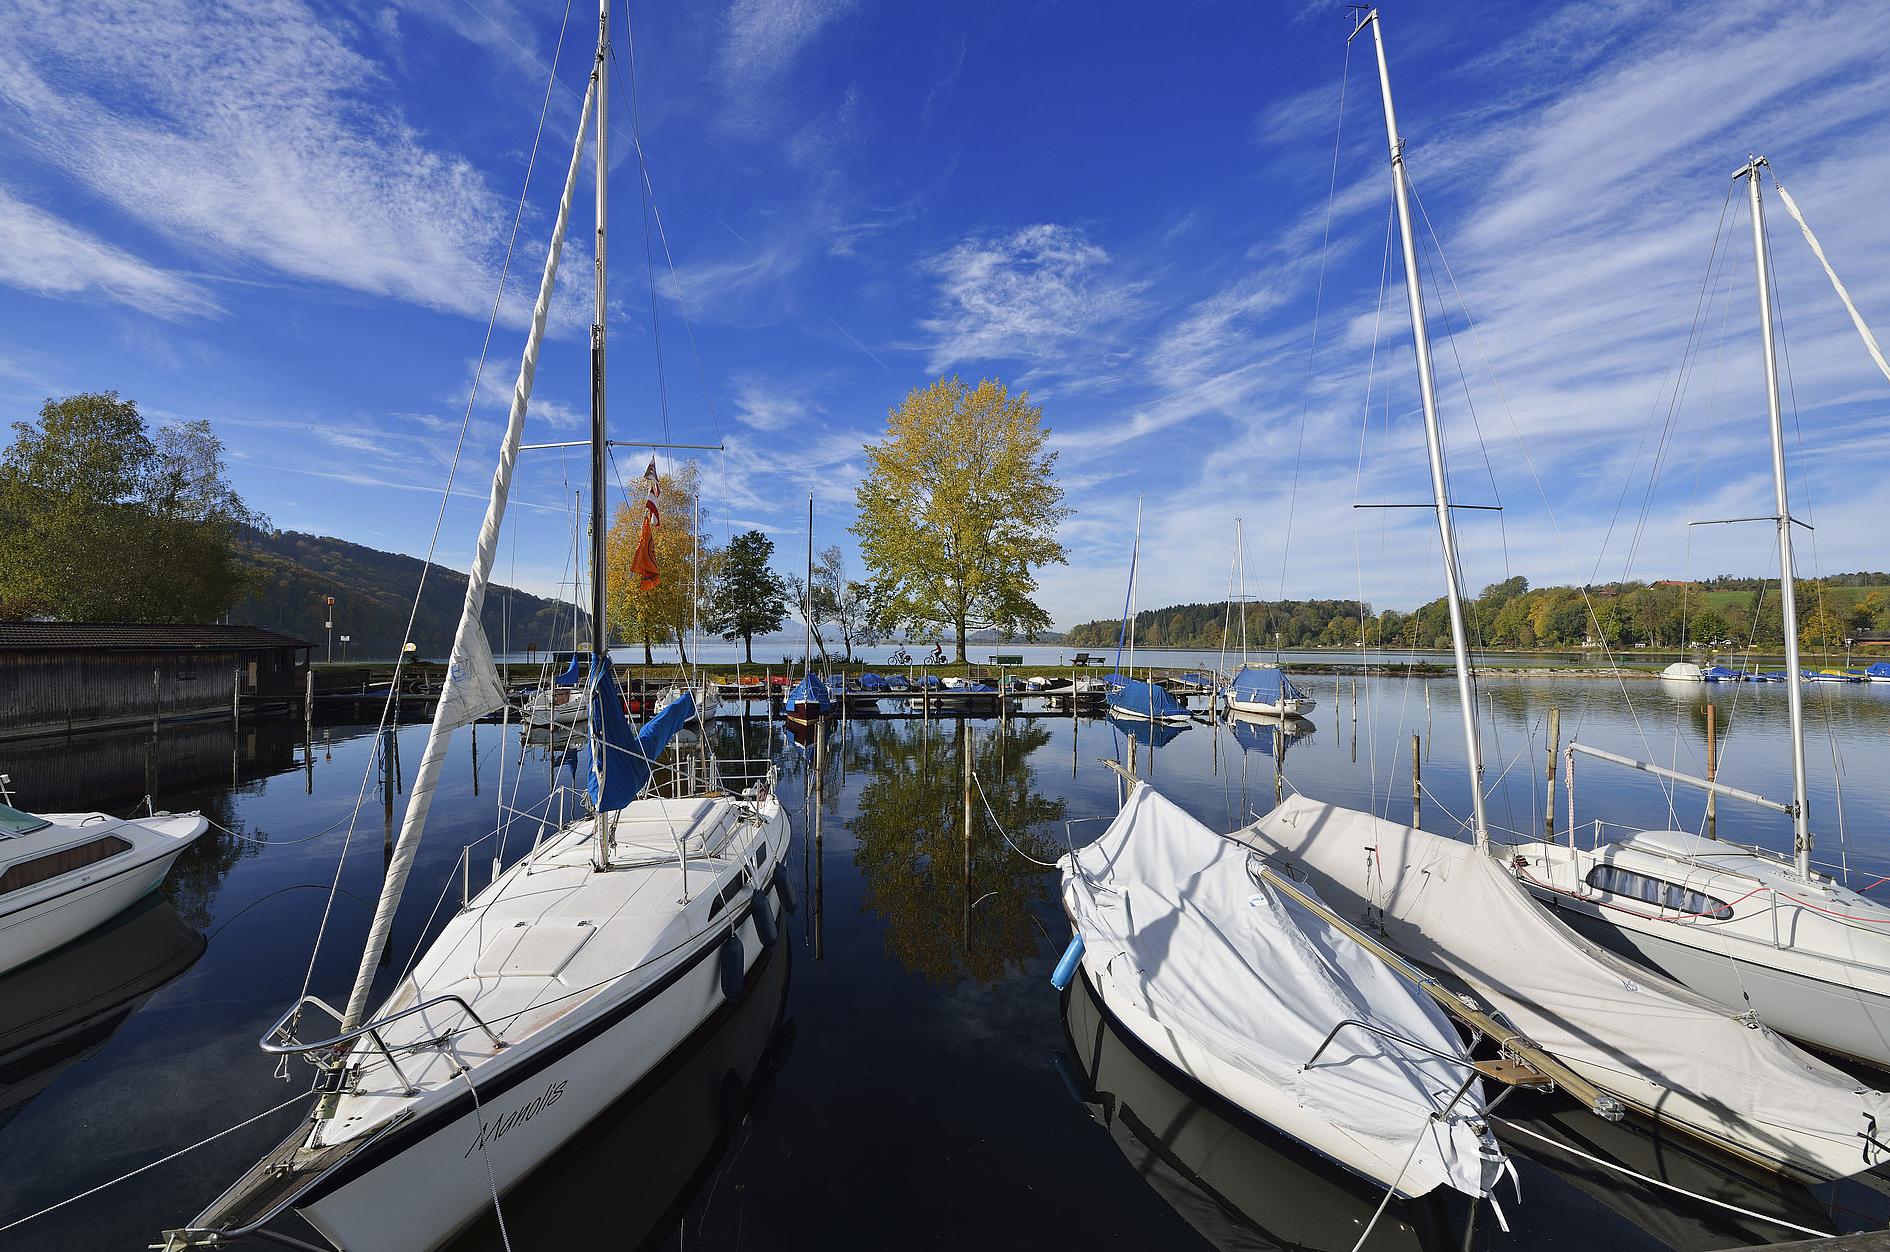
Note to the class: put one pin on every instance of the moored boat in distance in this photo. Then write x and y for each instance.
(1266, 690)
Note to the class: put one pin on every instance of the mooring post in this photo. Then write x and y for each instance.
(387, 793)
(1279, 765)
(966, 722)
(1417, 788)
(236, 697)
(1712, 770)
(157, 703)
(1555, 750)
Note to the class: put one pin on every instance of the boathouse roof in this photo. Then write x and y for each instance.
(139, 637)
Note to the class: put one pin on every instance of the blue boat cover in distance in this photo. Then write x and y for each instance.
(871, 682)
(810, 690)
(1265, 686)
(574, 675)
(1717, 673)
(1878, 669)
(1136, 696)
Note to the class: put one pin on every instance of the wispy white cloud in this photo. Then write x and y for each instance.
(253, 135)
(41, 253)
(1022, 296)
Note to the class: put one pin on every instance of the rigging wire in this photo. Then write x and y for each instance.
(446, 494)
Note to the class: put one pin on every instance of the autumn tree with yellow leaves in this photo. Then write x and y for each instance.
(663, 614)
(960, 505)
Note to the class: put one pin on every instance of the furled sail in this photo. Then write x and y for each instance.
(469, 642)
(472, 687)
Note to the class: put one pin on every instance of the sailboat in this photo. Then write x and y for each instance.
(568, 980)
(1257, 687)
(1135, 698)
(1647, 1042)
(1753, 930)
(808, 701)
(1253, 992)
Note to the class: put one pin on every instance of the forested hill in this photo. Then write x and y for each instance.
(1299, 622)
(289, 575)
(1724, 611)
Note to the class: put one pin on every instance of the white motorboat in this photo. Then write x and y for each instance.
(1762, 934)
(64, 874)
(1265, 1003)
(552, 707)
(565, 982)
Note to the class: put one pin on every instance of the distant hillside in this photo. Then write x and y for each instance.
(291, 573)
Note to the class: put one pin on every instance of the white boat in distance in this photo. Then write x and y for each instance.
(1266, 690)
(1268, 1005)
(564, 983)
(1760, 933)
(64, 874)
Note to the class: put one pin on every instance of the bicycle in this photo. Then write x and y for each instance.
(901, 657)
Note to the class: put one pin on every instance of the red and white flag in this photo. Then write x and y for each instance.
(653, 485)
(643, 560)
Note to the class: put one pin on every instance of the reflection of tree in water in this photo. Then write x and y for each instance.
(910, 830)
(198, 875)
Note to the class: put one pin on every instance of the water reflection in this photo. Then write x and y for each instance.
(1239, 1184)
(922, 875)
(61, 1009)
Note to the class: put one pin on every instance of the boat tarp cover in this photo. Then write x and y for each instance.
(810, 690)
(573, 674)
(1685, 671)
(1445, 904)
(628, 757)
(1264, 686)
(1259, 981)
(870, 681)
(1878, 669)
(1132, 695)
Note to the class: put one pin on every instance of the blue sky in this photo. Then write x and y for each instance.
(290, 219)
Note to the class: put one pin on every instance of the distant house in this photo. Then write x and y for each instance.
(72, 676)
(1869, 640)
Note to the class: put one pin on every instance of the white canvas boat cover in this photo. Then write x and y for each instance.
(1632, 1030)
(1259, 982)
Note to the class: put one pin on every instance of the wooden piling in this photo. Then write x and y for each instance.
(1417, 785)
(1279, 765)
(966, 723)
(1712, 769)
(1555, 750)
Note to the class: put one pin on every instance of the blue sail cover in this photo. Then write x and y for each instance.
(810, 690)
(627, 758)
(1133, 696)
(1264, 686)
(573, 675)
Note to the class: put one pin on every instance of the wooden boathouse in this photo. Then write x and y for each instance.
(62, 677)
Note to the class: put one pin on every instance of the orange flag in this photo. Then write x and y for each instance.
(643, 562)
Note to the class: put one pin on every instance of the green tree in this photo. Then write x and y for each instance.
(959, 505)
(1709, 626)
(748, 597)
(104, 521)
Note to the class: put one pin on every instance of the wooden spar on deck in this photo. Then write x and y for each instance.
(1527, 1065)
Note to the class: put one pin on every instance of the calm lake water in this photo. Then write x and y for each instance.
(906, 1075)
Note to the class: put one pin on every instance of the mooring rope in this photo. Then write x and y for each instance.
(91, 1191)
(479, 1115)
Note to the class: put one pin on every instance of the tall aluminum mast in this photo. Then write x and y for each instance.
(1440, 483)
(599, 434)
(1788, 587)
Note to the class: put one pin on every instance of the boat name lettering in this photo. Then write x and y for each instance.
(490, 1132)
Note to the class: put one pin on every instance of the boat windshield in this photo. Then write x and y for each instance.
(13, 822)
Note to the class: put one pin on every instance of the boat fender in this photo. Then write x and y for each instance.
(786, 890)
(766, 929)
(732, 971)
(1066, 968)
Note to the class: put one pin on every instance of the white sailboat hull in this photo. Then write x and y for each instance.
(430, 1188)
(1285, 708)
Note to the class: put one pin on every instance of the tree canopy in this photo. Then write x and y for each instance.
(748, 598)
(959, 505)
(106, 521)
(665, 613)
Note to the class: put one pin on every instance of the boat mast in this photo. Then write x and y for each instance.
(1788, 587)
(807, 597)
(1433, 439)
(600, 438)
